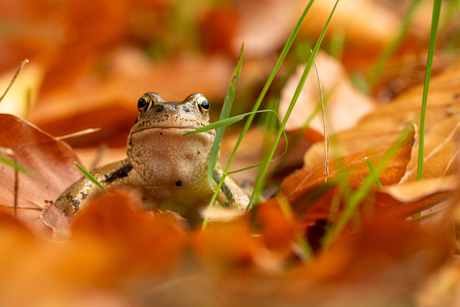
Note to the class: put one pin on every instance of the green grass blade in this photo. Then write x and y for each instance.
(218, 124)
(429, 64)
(90, 177)
(224, 114)
(291, 106)
(225, 122)
(18, 166)
(373, 173)
(270, 79)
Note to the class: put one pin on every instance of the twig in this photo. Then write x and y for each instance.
(23, 63)
(79, 133)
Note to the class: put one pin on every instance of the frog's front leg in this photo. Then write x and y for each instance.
(76, 196)
(230, 194)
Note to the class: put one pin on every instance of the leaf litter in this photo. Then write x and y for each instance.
(117, 254)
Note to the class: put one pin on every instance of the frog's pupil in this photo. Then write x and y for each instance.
(205, 104)
(141, 103)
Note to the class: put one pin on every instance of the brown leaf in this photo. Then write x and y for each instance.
(296, 185)
(441, 151)
(53, 160)
(409, 191)
(386, 122)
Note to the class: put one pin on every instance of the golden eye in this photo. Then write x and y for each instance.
(144, 103)
(202, 104)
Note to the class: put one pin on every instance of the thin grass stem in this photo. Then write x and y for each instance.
(426, 85)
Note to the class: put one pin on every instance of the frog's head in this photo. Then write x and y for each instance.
(192, 112)
(155, 137)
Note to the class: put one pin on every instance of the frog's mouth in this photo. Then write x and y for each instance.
(173, 130)
(159, 133)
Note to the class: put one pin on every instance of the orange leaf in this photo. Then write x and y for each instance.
(141, 241)
(381, 247)
(278, 232)
(301, 182)
(226, 243)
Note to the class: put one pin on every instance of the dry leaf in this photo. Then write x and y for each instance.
(386, 122)
(441, 151)
(53, 160)
(296, 185)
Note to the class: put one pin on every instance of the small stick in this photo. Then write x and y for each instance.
(23, 63)
(79, 133)
(10, 152)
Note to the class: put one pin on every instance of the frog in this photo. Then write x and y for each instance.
(169, 171)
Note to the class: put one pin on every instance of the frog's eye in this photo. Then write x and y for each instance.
(144, 103)
(202, 104)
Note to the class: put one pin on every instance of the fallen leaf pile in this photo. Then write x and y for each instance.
(90, 61)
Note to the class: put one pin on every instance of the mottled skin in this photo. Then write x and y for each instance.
(170, 171)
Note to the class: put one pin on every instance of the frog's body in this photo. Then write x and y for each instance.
(170, 171)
